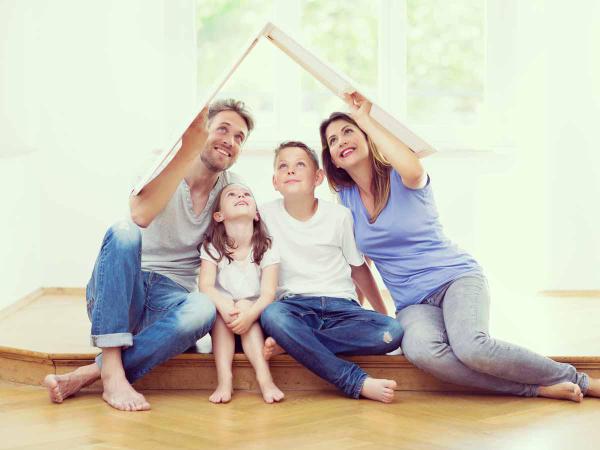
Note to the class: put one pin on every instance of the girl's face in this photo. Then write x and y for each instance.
(347, 144)
(236, 202)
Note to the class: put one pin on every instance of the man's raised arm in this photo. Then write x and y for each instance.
(153, 198)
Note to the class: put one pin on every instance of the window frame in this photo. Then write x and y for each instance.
(489, 131)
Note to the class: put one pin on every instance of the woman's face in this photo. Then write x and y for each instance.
(347, 144)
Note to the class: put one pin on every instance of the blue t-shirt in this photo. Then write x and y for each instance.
(407, 243)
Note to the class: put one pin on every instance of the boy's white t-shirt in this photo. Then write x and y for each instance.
(315, 255)
(240, 279)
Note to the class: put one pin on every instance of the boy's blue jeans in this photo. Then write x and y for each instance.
(313, 330)
(151, 317)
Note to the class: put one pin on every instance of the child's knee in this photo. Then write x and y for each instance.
(396, 332)
(271, 315)
(391, 335)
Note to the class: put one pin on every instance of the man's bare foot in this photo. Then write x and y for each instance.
(119, 394)
(378, 389)
(270, 392)
(222, 394)
(562, 391)
(594, 388)
(61, 387)
(271, 348)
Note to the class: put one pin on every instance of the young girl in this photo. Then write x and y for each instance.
(239, 273)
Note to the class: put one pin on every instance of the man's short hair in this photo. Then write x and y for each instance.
(309, 151)
(231, 104)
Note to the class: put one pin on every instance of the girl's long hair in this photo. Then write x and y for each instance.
(338, 178)
(224, 245)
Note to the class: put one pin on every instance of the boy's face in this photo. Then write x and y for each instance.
(295, 173)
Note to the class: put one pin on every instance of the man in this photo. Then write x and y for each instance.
(142, 298)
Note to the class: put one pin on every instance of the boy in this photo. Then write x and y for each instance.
(317, 315)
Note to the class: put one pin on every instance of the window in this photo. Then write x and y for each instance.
(425, 61)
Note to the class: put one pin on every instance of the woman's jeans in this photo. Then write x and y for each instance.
(313, 330)
(151, 317)
(447, 335)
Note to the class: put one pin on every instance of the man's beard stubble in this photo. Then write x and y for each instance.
(212, 165)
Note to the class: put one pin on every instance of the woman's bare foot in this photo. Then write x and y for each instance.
(378, 389)
(594, 388)
(271, 348)
(119, 394)
(61, 387)
(222, 394)
(270, 392)
(562, 391)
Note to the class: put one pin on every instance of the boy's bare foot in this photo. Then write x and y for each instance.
(594, 388)
(270, 392)
(378, 389)
(61, 387)
(119, 394)
(271, 348)
(222, 394)
(562, 391)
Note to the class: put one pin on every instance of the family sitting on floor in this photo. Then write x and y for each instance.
(199, 256)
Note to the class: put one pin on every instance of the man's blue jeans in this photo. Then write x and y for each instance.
(150, 316)
(313, 330)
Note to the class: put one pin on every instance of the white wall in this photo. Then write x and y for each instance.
(111, 90)
(92, 87)
(573, 183)
(20, 229)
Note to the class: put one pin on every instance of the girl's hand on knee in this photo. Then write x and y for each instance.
(243, 322)
(228, 312)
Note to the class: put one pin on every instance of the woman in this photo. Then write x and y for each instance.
(440, 292)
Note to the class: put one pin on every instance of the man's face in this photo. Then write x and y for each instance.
(227, 131)
(295, 172)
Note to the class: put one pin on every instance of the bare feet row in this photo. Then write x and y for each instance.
(119, 393)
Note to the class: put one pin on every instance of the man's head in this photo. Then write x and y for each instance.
(229, 124)
(297, 171)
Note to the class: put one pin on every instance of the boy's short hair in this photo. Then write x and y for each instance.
(309, 151)
(234, 105)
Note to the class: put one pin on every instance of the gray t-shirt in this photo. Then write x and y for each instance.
(170, 242)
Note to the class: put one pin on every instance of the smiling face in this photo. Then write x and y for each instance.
(296, 173)
(227, 132)
(236, 201)
(347, 144)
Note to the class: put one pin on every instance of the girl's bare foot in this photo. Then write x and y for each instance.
(271, 348)
(270, 392)
(222, 394)
(562, 391)
(61, 387)
(119, 394)
(594, 388)
(378, 389)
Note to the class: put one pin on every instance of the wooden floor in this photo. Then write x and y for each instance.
(48, 332)
(304, 420)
